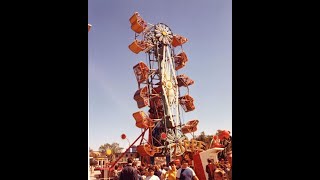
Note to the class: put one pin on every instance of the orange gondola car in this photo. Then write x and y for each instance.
(142, 98)
(184, 80)
(139, 26)
(141, 71)
(142, 120)
(187, 103)
(134, 17)
(190, 126)
(180, 60)
(137, 46)
(137, 23)
(178, 40)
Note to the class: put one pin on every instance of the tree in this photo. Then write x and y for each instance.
(204, 138)
(114, 147)
(201, 137)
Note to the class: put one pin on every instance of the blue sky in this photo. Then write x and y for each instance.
(208, 26)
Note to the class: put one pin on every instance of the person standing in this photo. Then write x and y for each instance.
(157, 171)
(171, 174)
(218, 174)
(185, 172)
(151, 175)
(115, 173)
(210, 168)
(129, 172)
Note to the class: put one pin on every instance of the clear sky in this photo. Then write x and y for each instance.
(208, 26)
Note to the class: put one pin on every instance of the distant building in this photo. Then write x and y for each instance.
(103, 160)
(132, 153)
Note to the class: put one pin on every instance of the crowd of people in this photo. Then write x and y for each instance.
(221, 170)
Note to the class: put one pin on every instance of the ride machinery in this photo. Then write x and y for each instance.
(159, 85)
(159, 94)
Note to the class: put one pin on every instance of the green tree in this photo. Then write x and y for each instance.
(114, 147)
(205, 138)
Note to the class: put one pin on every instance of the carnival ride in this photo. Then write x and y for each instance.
(159, 85)
(159, 92)
(89, 27)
